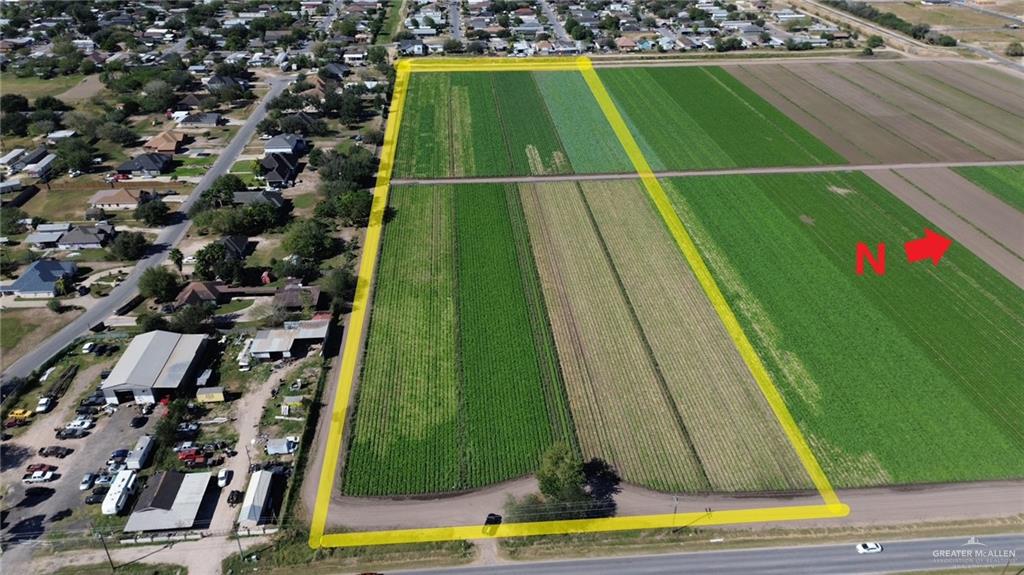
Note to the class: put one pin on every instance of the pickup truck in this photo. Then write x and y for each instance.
(40, 467)
(37, 477)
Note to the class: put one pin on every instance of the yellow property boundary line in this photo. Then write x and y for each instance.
(831, 508)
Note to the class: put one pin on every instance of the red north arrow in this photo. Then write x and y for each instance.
(932, 246)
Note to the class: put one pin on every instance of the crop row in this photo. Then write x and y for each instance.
(1005, 182)
(891, 378)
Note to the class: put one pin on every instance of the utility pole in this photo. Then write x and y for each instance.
(675, 507)
(103, 540)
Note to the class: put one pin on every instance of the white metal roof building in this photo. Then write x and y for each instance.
(155, 364)
(258, 505)
(171, 500)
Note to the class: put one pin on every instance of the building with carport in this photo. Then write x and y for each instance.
(171, 500)
(262, 499)
(155, 365)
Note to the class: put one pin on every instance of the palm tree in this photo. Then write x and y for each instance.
(177, 258)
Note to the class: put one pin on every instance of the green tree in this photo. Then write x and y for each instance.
(116, 133)
(160, 283)
(14, 124)
(560, 476)
(191, 318)
(55, 306)
(221, 192)
(177, 258)
(153, 212)
(75, 154)
(340, 285)
(1015, 50)
(13, 103)
(309, 239)
(129, 246)
(214, 262)
(150, 321)
(875, 41)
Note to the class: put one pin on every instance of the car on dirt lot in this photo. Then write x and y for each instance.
(104, 479)
(138, 422)
(235, 497)
(55, 451)
(94, 499)
(64, 433)
(223, 478)
(81, 423)
(40, 467)
(87, 480)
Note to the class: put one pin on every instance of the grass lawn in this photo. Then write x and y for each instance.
(193, 167)
(270, 247)
(61, 203)
(33, 87)
(234, 306)
(305, 201)
(15, 325)
(126, 569)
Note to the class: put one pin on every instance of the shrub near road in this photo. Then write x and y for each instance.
(907, 378)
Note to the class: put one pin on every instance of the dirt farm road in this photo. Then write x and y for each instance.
(874, 506)
(696, 173)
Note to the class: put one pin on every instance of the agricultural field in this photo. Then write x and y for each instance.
(898, 112)
(728, 125)
(538, 123)
(1006, 183)
(460, 377)
(892, 379)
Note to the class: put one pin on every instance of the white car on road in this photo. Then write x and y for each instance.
(868, 548)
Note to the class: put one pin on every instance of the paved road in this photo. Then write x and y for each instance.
(455, 19)
(553, 21)
(169, 237)
(690, 173)
(906, 555)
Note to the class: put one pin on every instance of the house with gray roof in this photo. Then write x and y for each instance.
(86, 237)
(150, 164)
(201, 120)
(285, 144)
(270, 197)
(40, 279)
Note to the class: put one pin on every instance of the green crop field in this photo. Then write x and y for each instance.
(909, 377)
(1005, 182)
(701, 117)
(460, 371)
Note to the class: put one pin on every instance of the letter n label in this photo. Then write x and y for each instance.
(863, 252)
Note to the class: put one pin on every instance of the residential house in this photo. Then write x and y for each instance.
(87, 237)
(119, 199)
(270, 197)
(10, 158)
(294, 296)
(201, 120)
(279, 170)
(293, 144)
(149, 164)
(189, 102)
(42, 168)
(218, 82)
(198, 293)
(236, 246)
(41, 279)
(334, 71)
(166, 142)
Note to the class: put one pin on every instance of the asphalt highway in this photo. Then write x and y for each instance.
(169, 237)
(897, 556)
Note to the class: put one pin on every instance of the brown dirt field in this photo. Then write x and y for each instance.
(951, 91)
(843, 122)
(618, 404)
(87, 88)
(1006, 86)
(832, 138)
(933, 141)
(734, 432)
(983, 210)
(955, 125)
(1001, 259)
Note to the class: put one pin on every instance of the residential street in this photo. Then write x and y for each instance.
(168, 238)
(455, 19)
(553, 21)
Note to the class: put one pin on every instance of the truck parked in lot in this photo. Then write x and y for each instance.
(37, 477)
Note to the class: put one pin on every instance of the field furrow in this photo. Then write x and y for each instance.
(620, 412)
(740, 443)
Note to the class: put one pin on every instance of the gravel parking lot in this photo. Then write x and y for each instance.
(46, 509)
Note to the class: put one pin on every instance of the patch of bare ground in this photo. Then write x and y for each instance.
(931, 139)
(991, 82)
(984, 211)
(983, 246)
(972, 99)
(858, 138)
(967, 130)
(87, 88)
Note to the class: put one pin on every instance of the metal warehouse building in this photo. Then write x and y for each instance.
(156, 364)
(171, 500)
